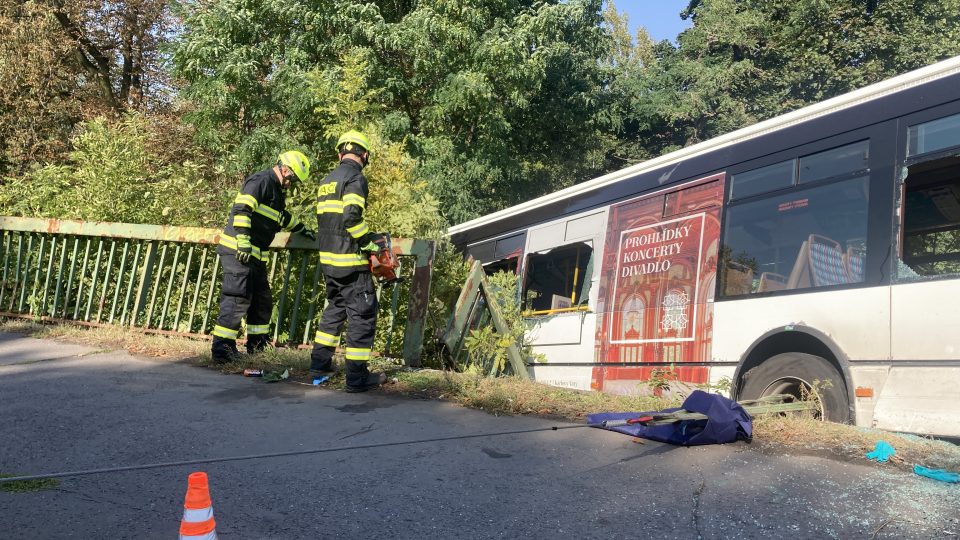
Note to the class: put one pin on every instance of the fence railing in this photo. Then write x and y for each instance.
(166, 280)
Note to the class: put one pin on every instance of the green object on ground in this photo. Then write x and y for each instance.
(274, 376)
(24, 486)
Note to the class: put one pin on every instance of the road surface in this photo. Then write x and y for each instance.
(68, 408)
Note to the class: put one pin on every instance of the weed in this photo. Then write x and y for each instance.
(722, 386)
(813, 393)
(24, 486)
(661, 380)
(488, 348)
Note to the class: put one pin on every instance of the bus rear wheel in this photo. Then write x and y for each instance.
(794, 374)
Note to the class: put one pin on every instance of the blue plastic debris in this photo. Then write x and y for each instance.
(937, 474)
(320, 380)
(882, 452)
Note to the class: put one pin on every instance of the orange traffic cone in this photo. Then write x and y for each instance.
(198, 520)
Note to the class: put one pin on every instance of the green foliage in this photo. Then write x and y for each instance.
(345, 96)
(65, 62)
(24, 486)
(246, 66)
(744, 61)
(40, 100)
(661, 379)
(502, 98)
(498, 101)
(722, 386)
(486, 346)
(116, 173)
(400, 202)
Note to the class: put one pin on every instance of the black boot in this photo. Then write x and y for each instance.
(224, 350)
(257, 343)
(321, 364)
(360, 379)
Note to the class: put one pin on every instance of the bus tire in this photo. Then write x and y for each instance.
(784, 373)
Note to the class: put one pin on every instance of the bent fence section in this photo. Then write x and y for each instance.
(166, 280)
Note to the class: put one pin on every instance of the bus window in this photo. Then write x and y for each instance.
(813, 237)
(509, 264)
(934, 135)
(501, 255)
(834, 162)
(931, 219)
(557, 279)
(764, 179)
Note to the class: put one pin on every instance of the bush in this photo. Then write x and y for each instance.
(126, 171)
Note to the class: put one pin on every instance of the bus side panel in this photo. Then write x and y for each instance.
(856, 320)
(922, 311)
(920, 399)
(657, 285)
(565, 339)
(923, 398)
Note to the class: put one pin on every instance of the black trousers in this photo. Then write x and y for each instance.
(351, 300)
(246, 292)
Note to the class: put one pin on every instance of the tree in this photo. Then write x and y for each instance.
(119, 47)
(744, 61)
(630, 62)
(498, 100)
(65, 62)
(121, 170)
(503, 99)
(39, 98)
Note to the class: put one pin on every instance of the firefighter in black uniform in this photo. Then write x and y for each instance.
(344, 240)
(258, 212)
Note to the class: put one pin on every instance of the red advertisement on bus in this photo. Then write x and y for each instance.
(657, 285)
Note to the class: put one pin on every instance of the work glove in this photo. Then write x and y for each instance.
(244, 248)
(288, 222)
(309, 234)
(370, 247)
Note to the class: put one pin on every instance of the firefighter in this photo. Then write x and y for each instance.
(258, 212)
(344, 240)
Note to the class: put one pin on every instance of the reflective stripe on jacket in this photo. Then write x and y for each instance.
(341, 230)
(230, 243)
(259, 211)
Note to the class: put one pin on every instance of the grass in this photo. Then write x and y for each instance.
(809, 435)
(510, 396)
(112, 338)
(24, 486)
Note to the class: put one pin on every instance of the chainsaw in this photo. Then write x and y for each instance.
(384, 264)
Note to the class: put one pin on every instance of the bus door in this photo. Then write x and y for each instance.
(656, 289)
(922, 390)
(558, 295)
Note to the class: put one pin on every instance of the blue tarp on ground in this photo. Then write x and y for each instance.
(726, 422)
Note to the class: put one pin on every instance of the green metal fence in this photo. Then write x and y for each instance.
(166, 280)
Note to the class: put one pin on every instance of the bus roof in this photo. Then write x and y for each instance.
(874, 91)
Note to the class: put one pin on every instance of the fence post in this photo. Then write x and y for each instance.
(419, 301)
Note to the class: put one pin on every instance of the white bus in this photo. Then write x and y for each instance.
(821, 245)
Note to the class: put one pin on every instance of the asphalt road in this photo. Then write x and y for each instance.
(68, 408)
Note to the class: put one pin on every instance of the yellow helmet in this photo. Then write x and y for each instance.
(353, 137)
(297, 162)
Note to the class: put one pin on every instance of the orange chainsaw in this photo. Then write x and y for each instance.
(384, 264)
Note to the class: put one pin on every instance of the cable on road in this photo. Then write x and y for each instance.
(283, 454)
